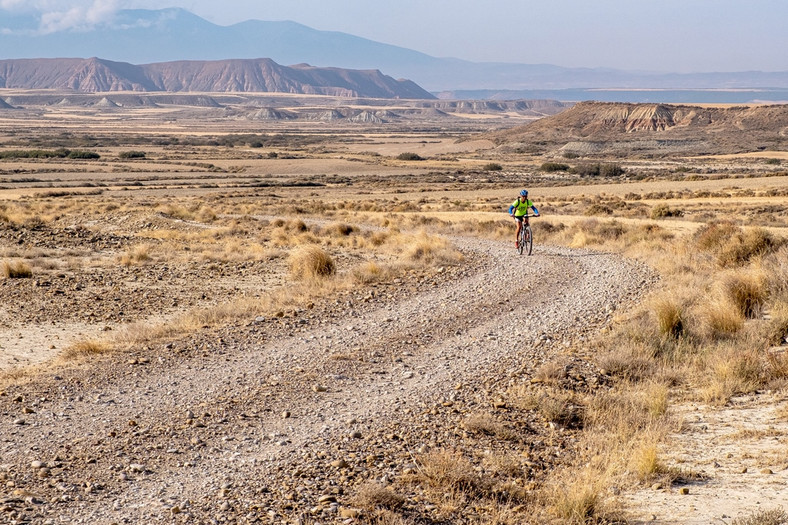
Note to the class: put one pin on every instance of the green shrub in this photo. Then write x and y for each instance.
(611, 170)
(131, 155)
(586, 170)
(492, 166)
(660, 211)
(76, 154)
(409, 156)
(773, 162)
(554, 166)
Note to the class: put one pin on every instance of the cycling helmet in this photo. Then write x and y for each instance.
(524, 193)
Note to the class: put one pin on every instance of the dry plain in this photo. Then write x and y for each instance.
(235, 321)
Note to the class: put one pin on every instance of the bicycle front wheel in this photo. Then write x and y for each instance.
(528, 242)
(521, 241)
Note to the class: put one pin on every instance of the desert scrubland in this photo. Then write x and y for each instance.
(209, 317)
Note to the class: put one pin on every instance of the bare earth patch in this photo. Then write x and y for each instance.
(741, 452)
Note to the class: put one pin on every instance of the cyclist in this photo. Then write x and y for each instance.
(518, 211)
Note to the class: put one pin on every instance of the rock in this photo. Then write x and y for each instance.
(684, 491)
(656, 486)
(319, 388)
(340, 463)
(327, 498)
(743, 470)
(349, 513)
(37, 464)
(19, 421)
(285, 414)
(355, 434)
(767, 471)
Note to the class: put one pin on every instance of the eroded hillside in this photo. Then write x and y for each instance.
(654, 129)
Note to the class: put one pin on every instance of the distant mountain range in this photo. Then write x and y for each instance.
(260, 75)
(167, 35)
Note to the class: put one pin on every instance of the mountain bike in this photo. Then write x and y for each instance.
(526, 241)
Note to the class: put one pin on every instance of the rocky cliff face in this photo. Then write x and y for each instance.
(596, 127)
(218, 76)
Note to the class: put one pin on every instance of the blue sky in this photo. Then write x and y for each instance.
(648, 35)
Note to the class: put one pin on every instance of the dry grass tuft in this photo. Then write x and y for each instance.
(450, 471)
(579, 498)
(136, 255)
(763, 517)
(747, 292)
(311, 262)
(721, 318)
(733, 246)
(85, 348)
(427, 249)
(373, 495)
(488, 425)
(16, 270)
(732, 370)
(669, 315)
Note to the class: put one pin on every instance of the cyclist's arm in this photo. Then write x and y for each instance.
(536, 212)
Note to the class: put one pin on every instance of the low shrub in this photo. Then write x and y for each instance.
(747, 292)
(16, 270)
(554, 166)
(409, 156)
(492, 166)
(311, 262)
(661, 211)
(84, 155)
(131, 155)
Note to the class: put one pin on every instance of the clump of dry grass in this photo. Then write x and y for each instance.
(16, 270)
(669, 315)
(372, 495)
(732, 370)
(733, 246)
(430, 249)
(136, 255)
(747, 292)
(86, 347)
(450, 471)
(311, 262)
(488, 425)
(579, 497)
(763, 517)
(721, 318)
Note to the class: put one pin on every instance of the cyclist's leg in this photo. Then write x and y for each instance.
(519, 222)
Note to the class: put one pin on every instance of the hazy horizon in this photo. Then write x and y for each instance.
(677, 36)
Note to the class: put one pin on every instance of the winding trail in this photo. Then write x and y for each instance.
(236, 423)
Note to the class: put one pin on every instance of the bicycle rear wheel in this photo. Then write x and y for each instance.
(527, 244)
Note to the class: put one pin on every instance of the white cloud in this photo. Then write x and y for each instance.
(60, 15)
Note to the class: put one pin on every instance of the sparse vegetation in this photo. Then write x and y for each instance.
(409, 156)
(213, 243)
(16, 270)
(554, 166)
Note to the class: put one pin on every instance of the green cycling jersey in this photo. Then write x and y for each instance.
(521, 208)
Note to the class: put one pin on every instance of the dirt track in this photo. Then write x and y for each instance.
(259, 421)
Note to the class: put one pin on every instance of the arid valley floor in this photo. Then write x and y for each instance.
(214, 315)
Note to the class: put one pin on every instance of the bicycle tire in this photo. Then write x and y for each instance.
(521, 241)
(528, 240)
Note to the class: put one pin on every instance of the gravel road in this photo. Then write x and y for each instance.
(282, 417)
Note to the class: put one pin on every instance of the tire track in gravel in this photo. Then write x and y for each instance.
(205, 424)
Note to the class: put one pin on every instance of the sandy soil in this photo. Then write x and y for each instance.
(741, 453)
